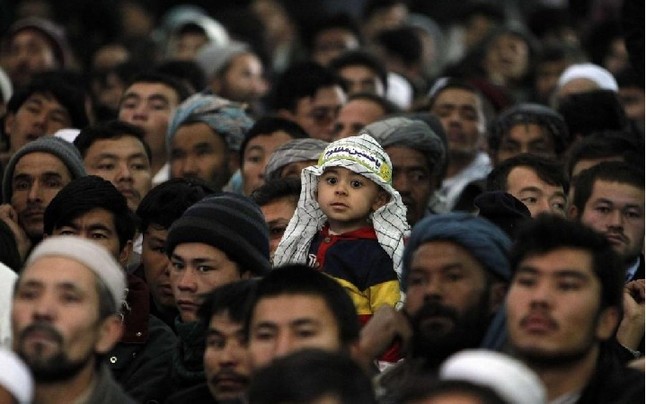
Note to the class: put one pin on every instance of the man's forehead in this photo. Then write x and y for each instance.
(149, 88)
(40, 161)
(45, 96)
(452, 94)
(613, 188)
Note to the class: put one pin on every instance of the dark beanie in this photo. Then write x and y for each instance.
(55, 146)
(503, 210)
(229, 222)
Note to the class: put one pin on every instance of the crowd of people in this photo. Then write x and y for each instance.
(274, 201)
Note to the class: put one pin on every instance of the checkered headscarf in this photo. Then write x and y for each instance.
(363, 155)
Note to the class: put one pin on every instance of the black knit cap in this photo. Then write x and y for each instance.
(503, 210)
(229, 222)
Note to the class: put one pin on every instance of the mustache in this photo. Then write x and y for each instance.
(42, 328)
(434, 309)
(227, 374)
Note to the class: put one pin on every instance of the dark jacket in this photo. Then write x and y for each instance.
(187, 368)
(197, 394)
(140, 361)
(107, 391)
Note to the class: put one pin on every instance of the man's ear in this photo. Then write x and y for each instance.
(125, 253)
(572, 212)
(9, 121)
(234, 162)
(497, 295)
(607, 324)
(110, 332)
(285, 113)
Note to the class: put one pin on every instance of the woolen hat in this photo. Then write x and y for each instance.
(488, 244)
(229, 222)
(54, 33)
(58, 147)
(88, 253)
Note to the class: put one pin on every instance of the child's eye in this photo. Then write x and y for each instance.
(356, 184)
(331, 180)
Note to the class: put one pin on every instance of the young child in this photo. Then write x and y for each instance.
(350, 223)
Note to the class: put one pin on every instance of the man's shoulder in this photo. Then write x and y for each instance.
(195, 394)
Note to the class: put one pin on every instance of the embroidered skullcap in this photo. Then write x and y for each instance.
(362, 155)
(597, 74)
(88, 253)
(508, 377)
(294, 151)
(16, 377)
(487, 243)
(227, 118)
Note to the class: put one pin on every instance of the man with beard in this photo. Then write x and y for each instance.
(226, 361)
(418, 156)
(33, 177)
(455, 276)
(65, 316)
(563, 306)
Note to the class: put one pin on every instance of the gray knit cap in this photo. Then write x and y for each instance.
(58, 147)
(294, 151)
(485, 241)
(227, 118)
(412, 133)
(214, 57)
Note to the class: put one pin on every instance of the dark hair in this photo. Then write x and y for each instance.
(109, 130)
(548, 170)
(9, 254)
(592, 111)
(607, 144)
(276, 189)
(402, 42)
(388, 106)
(233, 299)
(186, 71)
(310, 374)
(181, 90)
(299, 279)
(338, 20)
(547, 233)
(611, 171)
(83, 194)
(360, 58)
(373, 6)
(268, 125)
(71, 97)
(167, 201)
(301, 80)
(448, 83)
(550, 121)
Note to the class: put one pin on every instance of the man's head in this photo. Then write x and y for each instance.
(527, 128)
(277, 199)
(566, 293)
(233, 71)
(297, 307)
(310, 95)
(116, 151)
(330, 36)
(455, 274)
(361, 72)
(164, 204)
(33, 45)
(41, 108)
(260, 141)
(64, 308)
(536, 181)
(226, 359)
(609, 197)
(218, 240)
(360, 110)
(34, 175)
(204, 139)
(459, 107)
(289, 159)
(149, 102)
(91, 207)
(584, 77)
(417, 154)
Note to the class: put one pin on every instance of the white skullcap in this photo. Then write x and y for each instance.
(597, 74)
(68, 134)
(15, 377)
(510, 378)
(88, 253)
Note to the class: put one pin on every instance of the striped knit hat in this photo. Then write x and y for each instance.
(229, 222)
(362, 155)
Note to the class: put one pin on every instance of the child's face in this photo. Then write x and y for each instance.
(348, 198)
